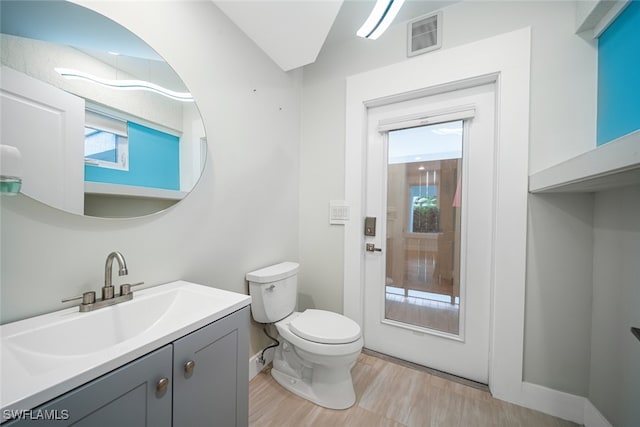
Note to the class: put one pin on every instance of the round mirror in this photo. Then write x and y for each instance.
(104, 126)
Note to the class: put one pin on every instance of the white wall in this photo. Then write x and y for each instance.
(241, 216)
(559, 291)
(614, 385)
(562, 118)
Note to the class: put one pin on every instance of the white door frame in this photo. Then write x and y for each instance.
(505, 60)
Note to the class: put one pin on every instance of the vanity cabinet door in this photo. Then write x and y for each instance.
(127, 397)
(211, 374)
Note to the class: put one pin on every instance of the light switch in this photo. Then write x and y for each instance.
(338, 212)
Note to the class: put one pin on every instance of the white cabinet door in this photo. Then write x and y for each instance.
(47, 125)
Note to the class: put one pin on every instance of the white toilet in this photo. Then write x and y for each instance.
(317, 348)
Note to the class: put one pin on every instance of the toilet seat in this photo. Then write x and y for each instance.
(285, 331)
(325, 327)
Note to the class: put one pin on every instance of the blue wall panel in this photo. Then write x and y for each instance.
(619, 76)
(154, 161)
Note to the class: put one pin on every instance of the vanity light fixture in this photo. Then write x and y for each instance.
(125, 84)
(382, 15)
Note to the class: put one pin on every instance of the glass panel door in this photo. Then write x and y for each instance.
(424, 179)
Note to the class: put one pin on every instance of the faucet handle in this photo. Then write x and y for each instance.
(88, 297)
(125, 289)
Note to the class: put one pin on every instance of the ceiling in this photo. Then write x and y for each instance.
(290, 32)
(293, 32)
(67, 23)
(353, 13)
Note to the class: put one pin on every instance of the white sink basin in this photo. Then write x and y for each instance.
(97, 330)
(44, 356)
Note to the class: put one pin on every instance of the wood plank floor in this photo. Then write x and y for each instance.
(389, 394)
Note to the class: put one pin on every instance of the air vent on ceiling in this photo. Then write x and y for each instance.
(424, 34)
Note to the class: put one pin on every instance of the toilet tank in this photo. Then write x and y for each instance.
(273, 291)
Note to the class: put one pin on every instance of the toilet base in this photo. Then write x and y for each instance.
(337, 396)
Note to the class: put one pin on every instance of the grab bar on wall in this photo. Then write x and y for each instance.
(636, 332)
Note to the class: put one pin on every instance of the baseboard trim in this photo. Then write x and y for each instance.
(563, 405)
(593, 417)
(256, 367)
(553, 402)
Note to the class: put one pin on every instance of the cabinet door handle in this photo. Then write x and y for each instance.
(188, 368)
(161, 387)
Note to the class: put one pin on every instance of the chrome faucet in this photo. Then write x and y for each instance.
(107, 290)
(88, 298)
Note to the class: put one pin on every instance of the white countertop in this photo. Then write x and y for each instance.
(30, 378)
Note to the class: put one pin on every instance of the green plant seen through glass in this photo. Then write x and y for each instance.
(426, 215)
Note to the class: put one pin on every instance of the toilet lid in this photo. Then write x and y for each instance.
(325, 327)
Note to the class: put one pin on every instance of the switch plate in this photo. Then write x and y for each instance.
(338, 212)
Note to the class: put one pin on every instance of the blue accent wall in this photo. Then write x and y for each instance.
(619, 76)
(154, 161)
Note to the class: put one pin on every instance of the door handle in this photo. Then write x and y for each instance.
(371, 247)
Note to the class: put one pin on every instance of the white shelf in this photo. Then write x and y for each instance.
(609, 166)
(117, 190)
(596, 16)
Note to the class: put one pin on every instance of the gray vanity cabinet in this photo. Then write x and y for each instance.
(211, 374)
(124, 397)
(200, 379)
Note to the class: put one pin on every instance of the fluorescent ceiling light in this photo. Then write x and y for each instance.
(382, 15)
(125, 84)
